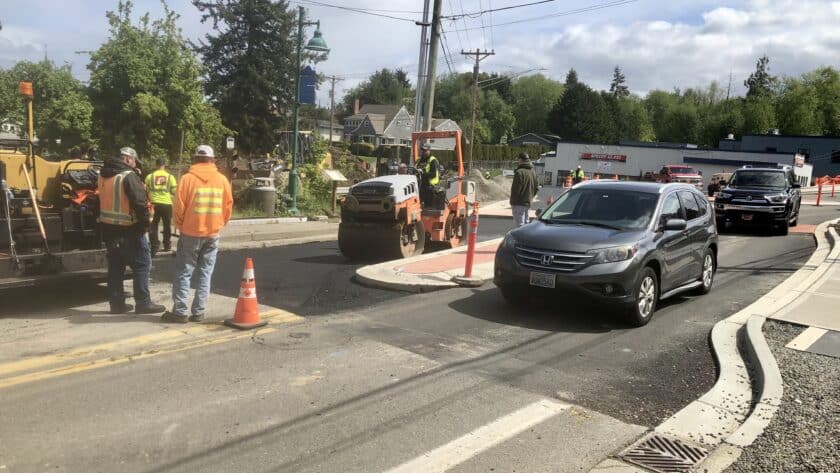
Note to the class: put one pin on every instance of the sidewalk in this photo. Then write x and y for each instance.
(259, 235)
(430, 272)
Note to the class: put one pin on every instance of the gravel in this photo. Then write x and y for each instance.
(490, 190)
(804, 434)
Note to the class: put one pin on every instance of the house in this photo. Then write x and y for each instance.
(322, 129)
(535, 139)
(391, 124)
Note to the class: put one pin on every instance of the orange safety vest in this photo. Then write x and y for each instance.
(114, 207)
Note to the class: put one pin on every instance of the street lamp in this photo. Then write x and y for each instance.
(317, 44)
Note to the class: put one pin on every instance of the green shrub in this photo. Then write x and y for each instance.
(362, 149)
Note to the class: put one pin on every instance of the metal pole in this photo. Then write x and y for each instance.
(429, 99)
(474, 99)
(293, 173)
(332, 108)
(421, 71)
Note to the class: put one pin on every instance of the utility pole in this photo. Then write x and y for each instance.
(479, 55)
(431, 65)
(729, 87)
(332, 79)
(421, 69)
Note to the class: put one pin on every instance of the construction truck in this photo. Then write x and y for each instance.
(48, 213)
(383, 217)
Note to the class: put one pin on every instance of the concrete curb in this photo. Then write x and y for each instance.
(383, 276)
(729, 417)
(257, 244)
(273, 220)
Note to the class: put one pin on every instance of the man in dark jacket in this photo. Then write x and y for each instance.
(124, 216)
(523, 189)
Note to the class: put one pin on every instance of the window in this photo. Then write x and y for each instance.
(692, 211)
(670, 209)
(835, 156)
(765, 179)
(625, 210)
(702, 203)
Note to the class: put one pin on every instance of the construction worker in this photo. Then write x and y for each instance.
(124, 217)
(403, 169)
(203, 206)
(523, 189)
(161, 187)
(578, 175)
(430, 174)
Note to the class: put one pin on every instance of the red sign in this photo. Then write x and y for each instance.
(621, 158)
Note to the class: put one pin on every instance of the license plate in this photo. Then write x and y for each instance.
(746, 217)
(542, 280)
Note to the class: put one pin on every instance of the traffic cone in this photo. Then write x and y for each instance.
(247, 313)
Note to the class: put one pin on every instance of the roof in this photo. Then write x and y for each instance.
(545, 138)
(642, 144)
(810, 137)
(387, 111)
(636, 186)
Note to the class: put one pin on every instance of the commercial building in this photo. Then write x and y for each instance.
(634, 159)
(822, 152)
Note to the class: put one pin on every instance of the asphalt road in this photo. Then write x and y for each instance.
(371, 380)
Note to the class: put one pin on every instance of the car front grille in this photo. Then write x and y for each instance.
(550, 260)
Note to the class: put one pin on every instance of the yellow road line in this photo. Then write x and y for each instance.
(167, 336)
(112, 361)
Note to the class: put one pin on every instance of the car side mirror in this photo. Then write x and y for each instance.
(538, 212)
(674, 225)
(797, 186)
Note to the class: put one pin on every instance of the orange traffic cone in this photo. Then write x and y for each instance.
(247, 313)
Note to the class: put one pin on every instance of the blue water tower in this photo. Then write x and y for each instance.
(307, 85)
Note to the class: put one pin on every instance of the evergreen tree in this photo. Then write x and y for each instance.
(251, 55)
(581, 114)
(761, 83)
(571, 77)
(618, 88)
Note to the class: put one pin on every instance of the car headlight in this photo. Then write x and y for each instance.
(614, 254)
(509, 242)
(776, 198)
(723, 195)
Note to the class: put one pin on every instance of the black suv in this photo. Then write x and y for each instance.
(760, 196)
(627, 244)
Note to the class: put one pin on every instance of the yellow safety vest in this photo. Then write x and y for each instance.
(161, 186)
(433, 181)
(114, 207)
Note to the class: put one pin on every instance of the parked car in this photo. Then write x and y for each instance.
(674, 173)
(764, 196)
(627, 244)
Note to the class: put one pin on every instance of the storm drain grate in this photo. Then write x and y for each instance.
(664, 455)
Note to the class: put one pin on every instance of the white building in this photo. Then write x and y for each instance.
(633, 160)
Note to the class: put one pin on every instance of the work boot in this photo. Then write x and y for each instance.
(150, 309)
(167, 247)
(197, 318)
(173, 318)
(123, 309)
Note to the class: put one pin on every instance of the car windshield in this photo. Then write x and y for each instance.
(764, 179)
(682, 170)
(608, 208)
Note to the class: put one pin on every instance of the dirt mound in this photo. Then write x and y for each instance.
(491, 190)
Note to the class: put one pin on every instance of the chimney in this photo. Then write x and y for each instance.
(356, 106)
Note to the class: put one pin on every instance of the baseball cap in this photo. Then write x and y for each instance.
(204, 151)
(127, 151)
(426, 146)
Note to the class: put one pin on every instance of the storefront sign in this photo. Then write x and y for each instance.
(621, 158)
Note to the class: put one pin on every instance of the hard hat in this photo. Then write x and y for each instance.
(578, 166)
(426, 146)
(127, 151)
(204, 151)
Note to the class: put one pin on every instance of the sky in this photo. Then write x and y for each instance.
(658, 44)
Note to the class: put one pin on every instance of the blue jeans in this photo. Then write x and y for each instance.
(129, 249)
(193, 253)
(520, 214)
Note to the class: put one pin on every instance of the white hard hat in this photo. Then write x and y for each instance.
(126, 151)
(204, 151)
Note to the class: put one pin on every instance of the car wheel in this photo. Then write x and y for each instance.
(646, 295)
(512, 295)
(707, 274)
(795, 220)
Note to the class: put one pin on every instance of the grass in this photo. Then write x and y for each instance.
(247, 212)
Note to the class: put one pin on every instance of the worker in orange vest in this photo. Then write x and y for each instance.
(203, 206)
(124, 218)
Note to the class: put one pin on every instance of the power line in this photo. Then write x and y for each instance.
(445, 47)
(483, 27)
(492, 38)
(466, 29)
(588, 9)
(491, 9)
(355, 10)
(452, 10)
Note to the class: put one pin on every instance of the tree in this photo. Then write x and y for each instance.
(62, 109)
(252, 63)
(632, 121)
(146, 90)
(798, 109)
(658, 103)
(533, 97)
(826, 84)
(618, 88)
(571, 77)
(384, 87)
(494, 116)
(759, 116)
(682, 124)
(760, 83)
(581, 114)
